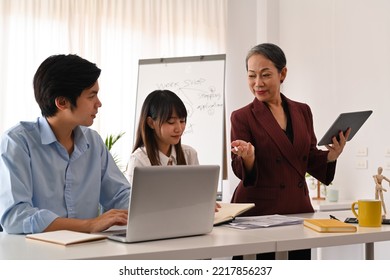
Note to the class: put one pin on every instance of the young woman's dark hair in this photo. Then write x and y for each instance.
(62, 76)
(270, 51)
(159, 105)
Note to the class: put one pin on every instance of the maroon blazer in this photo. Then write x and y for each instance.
(277, 182)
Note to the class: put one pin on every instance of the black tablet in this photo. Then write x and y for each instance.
(354, 120)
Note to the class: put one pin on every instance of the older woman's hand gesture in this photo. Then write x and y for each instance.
(246, 151)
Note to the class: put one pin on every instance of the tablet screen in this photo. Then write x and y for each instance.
(353, 120)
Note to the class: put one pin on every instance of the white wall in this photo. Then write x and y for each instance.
(338, 54)
(236, 91)
(248, 23)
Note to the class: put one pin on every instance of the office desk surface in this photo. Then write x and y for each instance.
(299, 237)
(221, 242)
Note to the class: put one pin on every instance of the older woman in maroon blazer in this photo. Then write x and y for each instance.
(273, 142)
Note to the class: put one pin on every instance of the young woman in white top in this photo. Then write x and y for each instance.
(158, 139)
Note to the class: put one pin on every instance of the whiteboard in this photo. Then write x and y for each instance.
(200, 83)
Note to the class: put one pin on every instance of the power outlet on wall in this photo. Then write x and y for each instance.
(362, 152)
(361, 164)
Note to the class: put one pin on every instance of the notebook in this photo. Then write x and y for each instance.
(229, 211)
(65, 237)
(328, 225)
(354, 120)
(171, 201)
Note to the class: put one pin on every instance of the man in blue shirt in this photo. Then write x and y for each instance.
(55, 172)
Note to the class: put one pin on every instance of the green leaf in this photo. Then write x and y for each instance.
(110, 141)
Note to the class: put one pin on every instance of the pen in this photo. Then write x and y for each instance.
(333, 217)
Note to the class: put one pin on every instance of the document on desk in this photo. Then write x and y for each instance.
(264, 221)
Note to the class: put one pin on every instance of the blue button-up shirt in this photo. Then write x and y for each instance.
(40, 181)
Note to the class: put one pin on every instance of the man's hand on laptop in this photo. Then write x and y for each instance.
(113, 217)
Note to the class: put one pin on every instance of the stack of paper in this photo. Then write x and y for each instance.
(264, 221)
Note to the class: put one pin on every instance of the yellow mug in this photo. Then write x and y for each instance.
(369, 212)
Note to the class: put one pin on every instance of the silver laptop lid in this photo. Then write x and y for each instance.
(171, 201)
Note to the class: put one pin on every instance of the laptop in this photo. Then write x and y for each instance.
(171, 201)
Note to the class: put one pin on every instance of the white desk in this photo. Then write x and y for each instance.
(221, 242)
(296, 237)
(325, 205)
